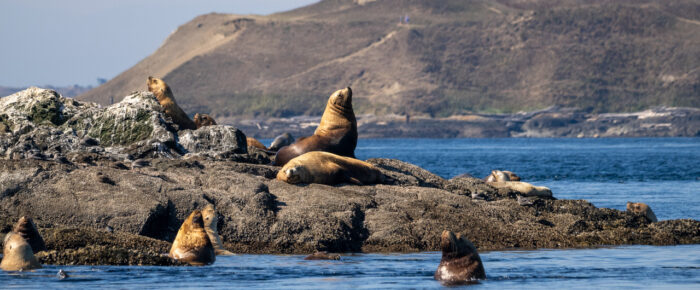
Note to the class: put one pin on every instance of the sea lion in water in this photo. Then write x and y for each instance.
(17, 254)
(322, 256)
(328, 168)
(460, 261)
(643, 209)
(166, 99)
(192, 243)
(255, 143)
(26, 228)
(501, 176)
(523, 188)
(280, 141)
(210, 225)
(203, 120)
(337, 132)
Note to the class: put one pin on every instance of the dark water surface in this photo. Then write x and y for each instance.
(663, 173)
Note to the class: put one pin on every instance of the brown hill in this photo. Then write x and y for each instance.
(453, 57)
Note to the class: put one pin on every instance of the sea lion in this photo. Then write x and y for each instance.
(643, 209)
(328, 168)
(322, 256)
(460, 261)
(280, 141)
(337, 132)
(203, 120)
(26, 228)
(501, 176)
(210, 225)
(17, 254)
(255, 143)
(166, 99)
(192, 243)
(523, 188)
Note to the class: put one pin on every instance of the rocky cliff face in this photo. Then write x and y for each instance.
(96, 206)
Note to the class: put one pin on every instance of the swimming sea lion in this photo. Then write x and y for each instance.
(523, 188)
(26, 228)
(643, 209)
(337, 132)
(203, 120)
(280, 141)
(328, 168)
(210, 221)
(460, 261)
(501, 176)
(322, 256)
(255, 143)
(192, 243)
(17, 254)
(166, 99)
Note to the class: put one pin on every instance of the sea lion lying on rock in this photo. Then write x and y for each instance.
(523, 188)
(17, 254)
(192, 244)
(203, 120)
(328, 168)
(26, 228)
(501, 176)
(337, 132)
(322, 256)
(280, 141)
(210, 221)
(460, 261)
(166, 99)
(643, 209)
(255, 143)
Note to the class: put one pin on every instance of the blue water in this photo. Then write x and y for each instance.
(663, 173)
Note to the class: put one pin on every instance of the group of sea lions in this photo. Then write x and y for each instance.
(327, 156)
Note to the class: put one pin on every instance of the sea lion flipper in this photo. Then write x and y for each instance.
(352, 180)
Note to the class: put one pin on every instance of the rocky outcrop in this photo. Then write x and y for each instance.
(87, 199)
(40, 124)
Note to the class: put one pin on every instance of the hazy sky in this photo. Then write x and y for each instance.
(65, 42)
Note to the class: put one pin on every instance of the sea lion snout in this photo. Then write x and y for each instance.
(343, 97)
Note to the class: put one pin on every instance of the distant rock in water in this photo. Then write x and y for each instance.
(41, 124)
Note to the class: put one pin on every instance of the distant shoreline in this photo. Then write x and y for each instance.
(554, 122)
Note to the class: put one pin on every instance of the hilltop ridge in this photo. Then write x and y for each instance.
(451, 58)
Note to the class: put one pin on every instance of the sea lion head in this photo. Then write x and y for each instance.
(460, 261)
(643, 209)
(294, 175)
(26, 228)
(18, 254)
(158, 87)
(209, 217)
(341, 99)
(201, 120)
(280, 141)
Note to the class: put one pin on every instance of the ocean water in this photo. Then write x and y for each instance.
(663, 173)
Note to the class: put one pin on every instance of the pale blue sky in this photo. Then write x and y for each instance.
(65, 42)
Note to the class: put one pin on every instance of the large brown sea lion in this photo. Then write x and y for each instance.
(460, 261)
(337, 132)
(322, 256)
(210, 225)
(642, 209)
(280, 141)
(17, 254)
(166, 99)
(26, 228)
(328, 168)
(192, 243)
(203, 120)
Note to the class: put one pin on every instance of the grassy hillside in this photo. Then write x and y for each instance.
(453, 57)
